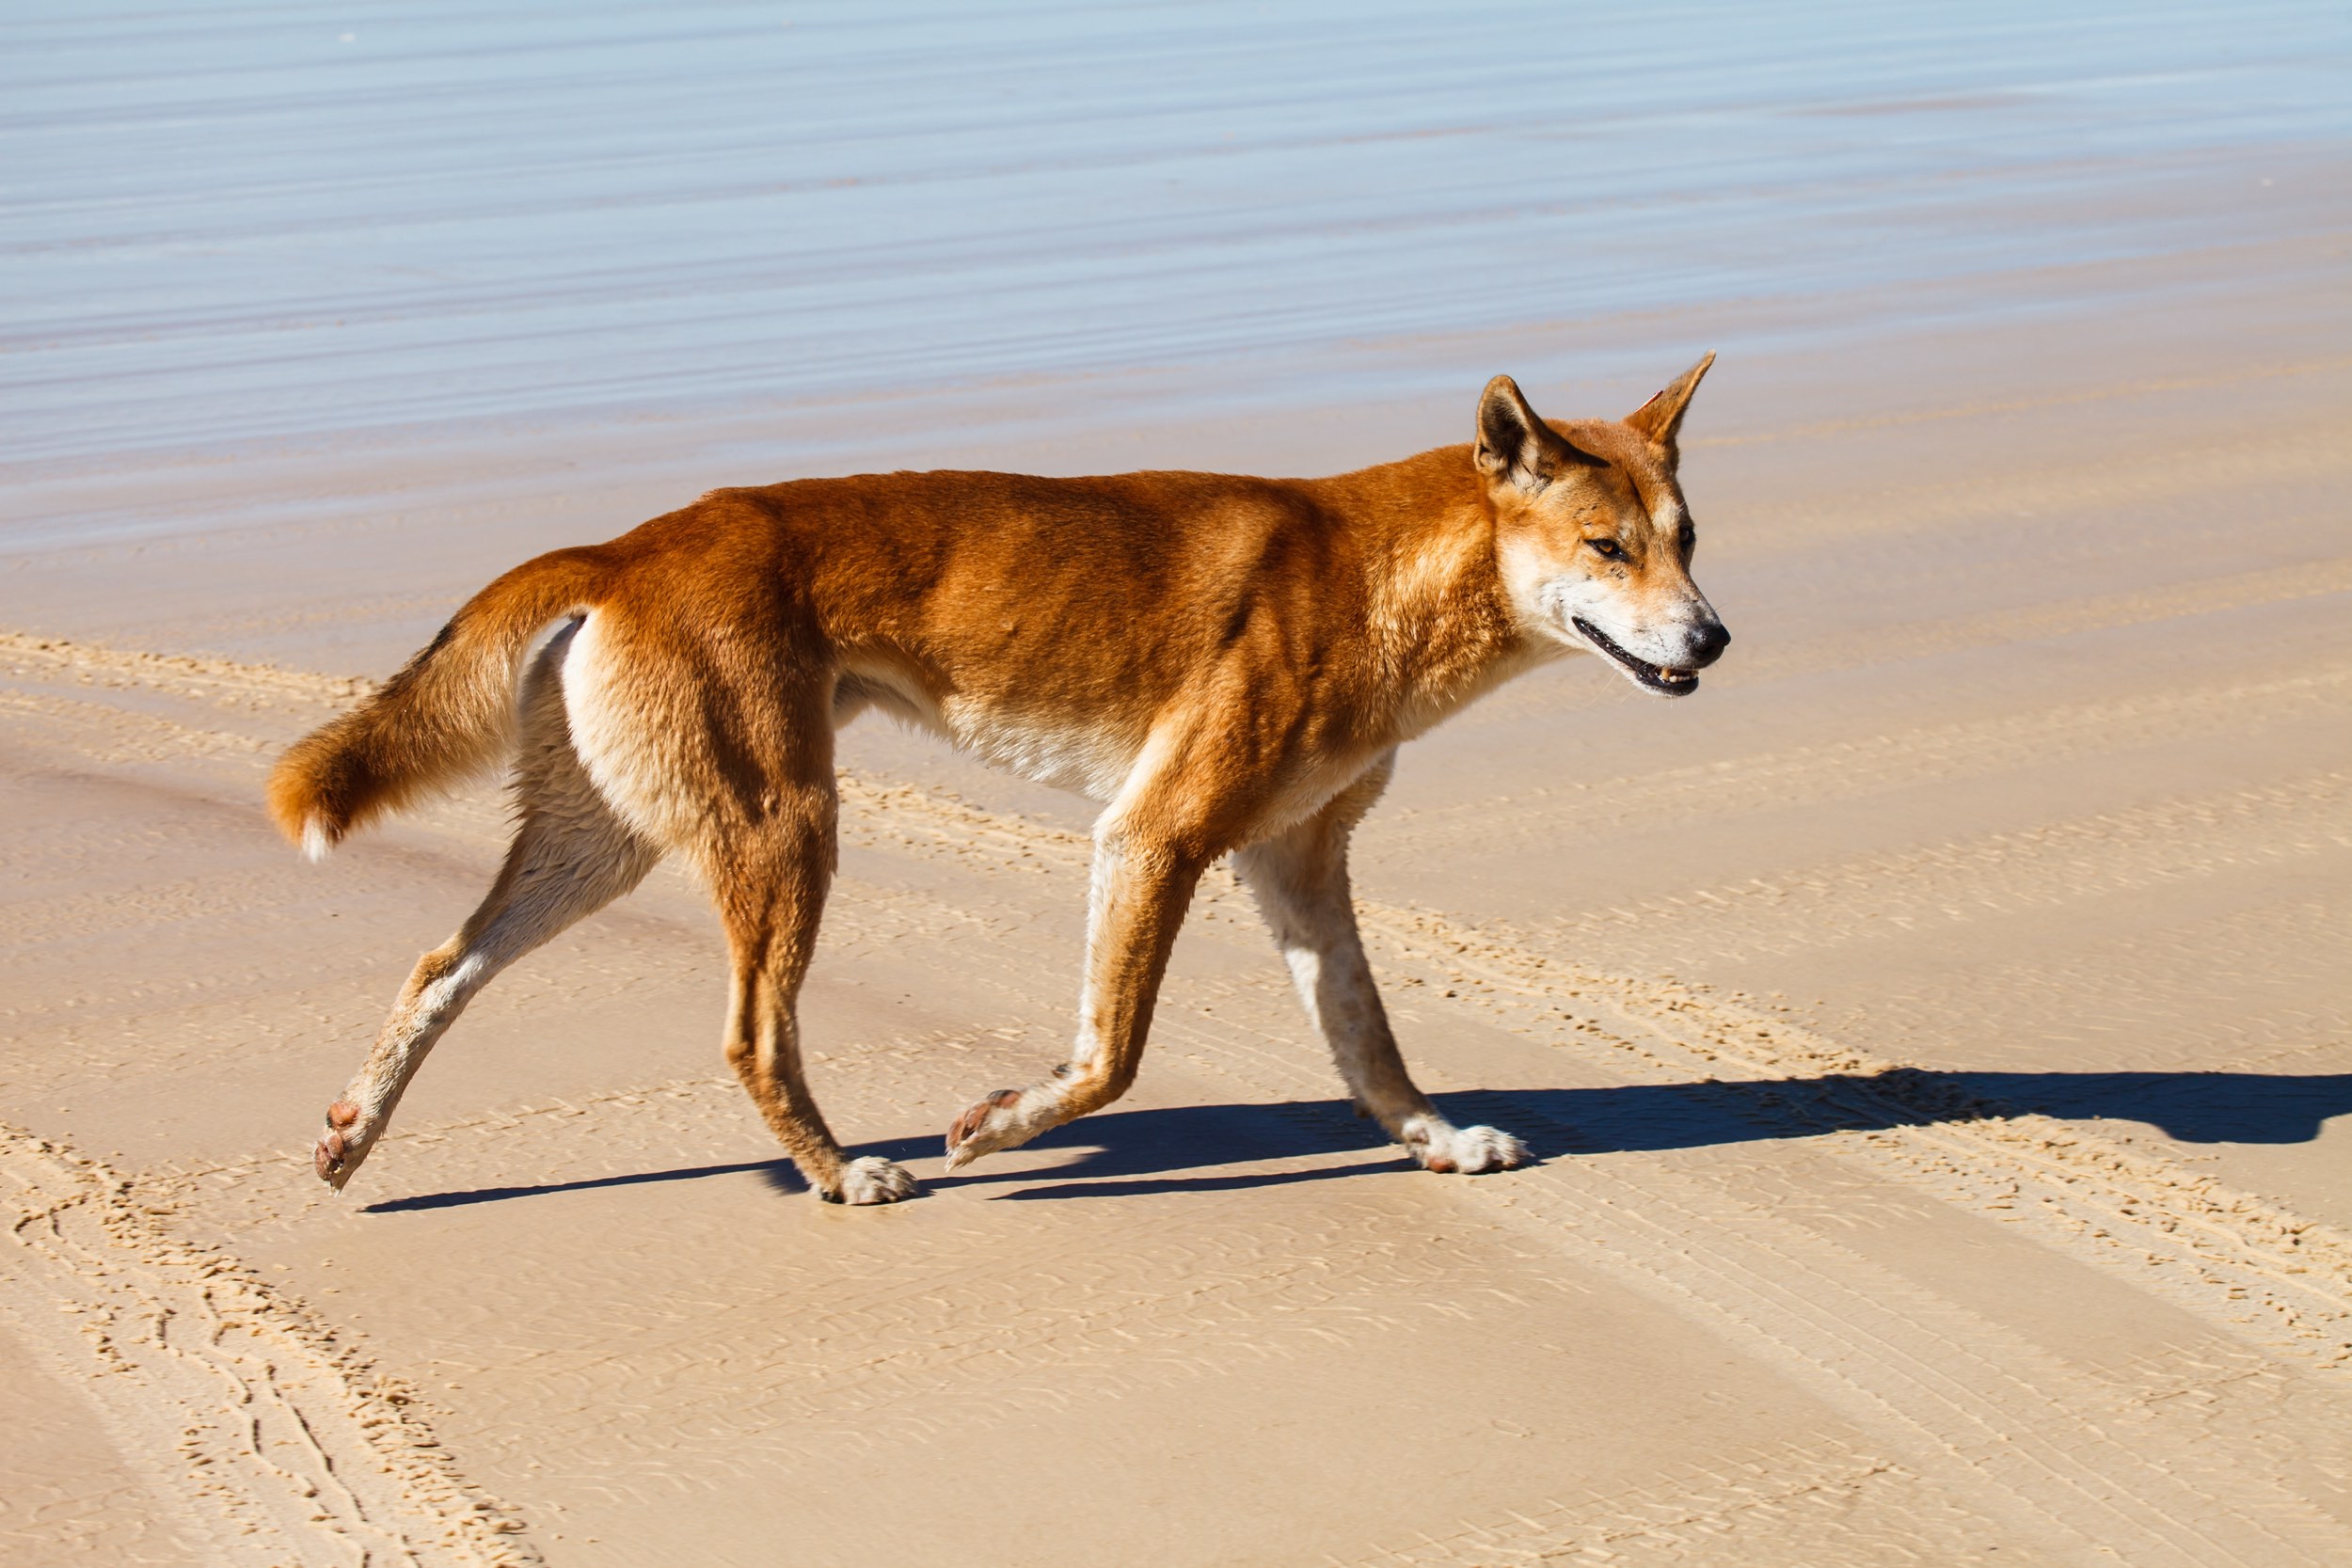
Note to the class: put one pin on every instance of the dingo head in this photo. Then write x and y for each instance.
(1593, 537)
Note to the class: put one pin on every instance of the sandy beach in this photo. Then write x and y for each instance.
(1936, 1034)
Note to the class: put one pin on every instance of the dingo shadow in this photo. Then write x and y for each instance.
(778, 1172)
(1140, 1152)
(1135, 1152)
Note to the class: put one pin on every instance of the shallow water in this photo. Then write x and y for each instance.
(228, 226)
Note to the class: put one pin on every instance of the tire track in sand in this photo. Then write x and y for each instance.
(182, 674)
(2072, 860)
(1725, 1508)
(282, 1444)
(1853, 770)
(2069, 617)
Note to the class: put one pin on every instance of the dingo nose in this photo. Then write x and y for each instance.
(1709, 642)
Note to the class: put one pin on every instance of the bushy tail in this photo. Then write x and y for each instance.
(448, 714)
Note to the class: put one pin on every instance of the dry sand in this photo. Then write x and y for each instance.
(1936, 1034)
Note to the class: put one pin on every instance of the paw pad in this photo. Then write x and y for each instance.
(974, 1116)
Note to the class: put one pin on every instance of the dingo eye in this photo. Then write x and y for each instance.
(1609, 548)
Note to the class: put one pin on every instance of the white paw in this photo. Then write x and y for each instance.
(873, 1179)
(1467, 1150)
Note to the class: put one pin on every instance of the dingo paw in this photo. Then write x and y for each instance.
(1465, 1150)
(872, 1179)
(1001, 1120)
(341, 1147)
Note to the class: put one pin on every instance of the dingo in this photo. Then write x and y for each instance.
(1229, 664)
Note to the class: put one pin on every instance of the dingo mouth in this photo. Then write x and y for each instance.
(1663, 679)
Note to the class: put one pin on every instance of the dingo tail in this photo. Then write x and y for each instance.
(448, 715)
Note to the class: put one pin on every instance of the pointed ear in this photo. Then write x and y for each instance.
(1513, 446)
(1659, 420)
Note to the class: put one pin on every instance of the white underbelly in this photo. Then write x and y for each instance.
(1096, 761)
(1092, 761)
(1087, 759)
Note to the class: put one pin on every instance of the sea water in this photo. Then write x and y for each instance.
(228, 224)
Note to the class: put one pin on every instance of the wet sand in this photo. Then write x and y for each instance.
(1935, 1032)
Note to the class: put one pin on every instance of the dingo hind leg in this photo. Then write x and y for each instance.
(762, 781)
(716, 734)
(570, 857)
(771, 899)
(1299, 879)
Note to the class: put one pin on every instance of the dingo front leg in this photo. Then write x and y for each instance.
(1141, 887)
(1299, 879)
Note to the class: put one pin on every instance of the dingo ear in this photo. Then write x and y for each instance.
(1513, 446)
(1659, 420)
